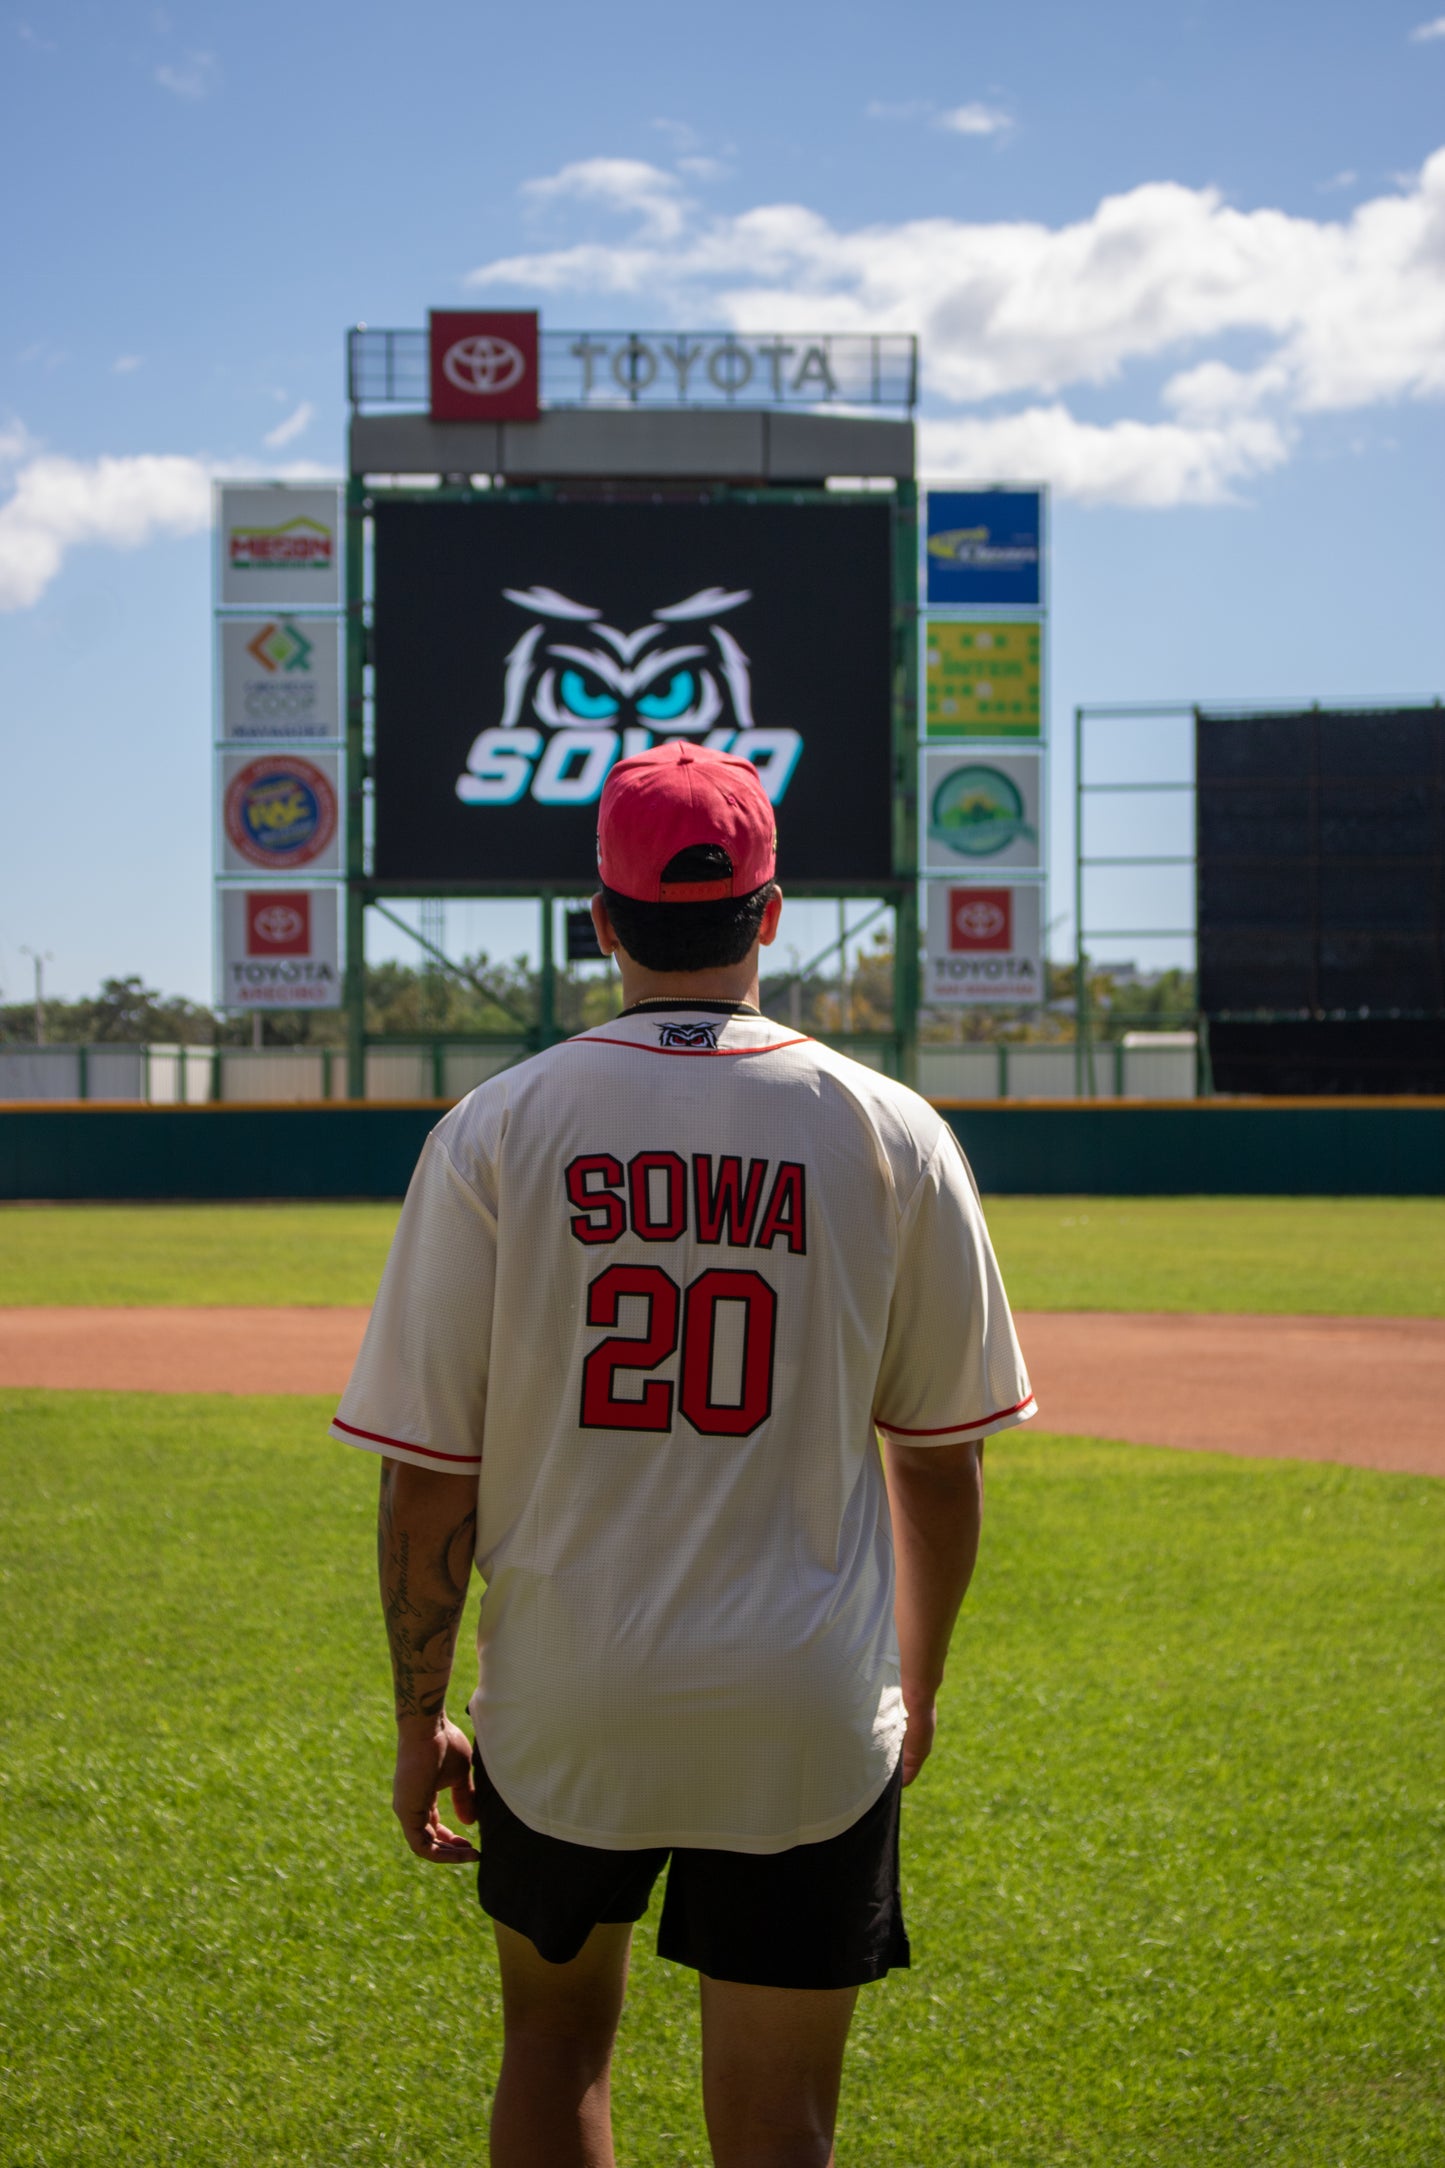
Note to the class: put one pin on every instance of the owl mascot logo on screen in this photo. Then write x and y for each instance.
(579, 695)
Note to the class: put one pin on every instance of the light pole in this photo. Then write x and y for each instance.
(40, 958)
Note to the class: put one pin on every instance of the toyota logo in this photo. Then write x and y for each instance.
(979, 921)
(484, 365)
(277, 922)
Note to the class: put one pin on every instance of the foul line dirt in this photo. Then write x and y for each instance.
(1367, 1391)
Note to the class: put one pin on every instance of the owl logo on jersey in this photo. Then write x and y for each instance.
(690, 1038)
(581, 694)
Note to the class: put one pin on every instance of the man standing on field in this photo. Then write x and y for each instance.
(652, 1297)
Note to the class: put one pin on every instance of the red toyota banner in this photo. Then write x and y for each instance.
(484, 365)
(980, 919)
(278, 924)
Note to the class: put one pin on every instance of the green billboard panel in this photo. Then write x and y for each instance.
(982, 680)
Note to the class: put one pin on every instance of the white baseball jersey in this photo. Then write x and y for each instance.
(657, 1287)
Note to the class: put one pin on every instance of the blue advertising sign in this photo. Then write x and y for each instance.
(983, 546)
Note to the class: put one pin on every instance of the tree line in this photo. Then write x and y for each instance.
(480, 994)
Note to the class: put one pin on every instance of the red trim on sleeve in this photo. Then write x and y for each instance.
(949, 1430)
(403, 1445)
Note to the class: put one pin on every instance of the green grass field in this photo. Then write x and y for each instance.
(1365, 1256)
(1174, 1877)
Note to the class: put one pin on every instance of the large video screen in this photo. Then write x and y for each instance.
(523, 645)
(1321, 862)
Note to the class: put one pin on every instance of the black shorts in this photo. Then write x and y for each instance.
(817, 1915)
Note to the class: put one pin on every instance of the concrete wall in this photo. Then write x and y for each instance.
(39, 1072)
(243, 1075)
(1047, 1072)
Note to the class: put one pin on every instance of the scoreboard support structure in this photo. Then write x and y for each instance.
(573, 457)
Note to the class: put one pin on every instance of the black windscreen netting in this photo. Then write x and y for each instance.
(1321, 862)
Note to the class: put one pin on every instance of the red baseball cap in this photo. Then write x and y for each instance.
(672, 798)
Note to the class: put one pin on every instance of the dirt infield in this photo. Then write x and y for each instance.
(181, 1351)
(1368, 1391)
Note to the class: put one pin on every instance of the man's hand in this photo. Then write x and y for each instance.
(430, 1758)
(922, 1723)
(936, 1497)
(425, 1530)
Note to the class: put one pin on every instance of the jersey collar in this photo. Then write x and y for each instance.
(658, 1002)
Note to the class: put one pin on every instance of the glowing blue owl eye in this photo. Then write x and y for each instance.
(590, 706)
(678, 698)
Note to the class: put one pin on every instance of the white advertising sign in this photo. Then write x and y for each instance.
(280, 948)
(280, 813)
(981, 812)
(279, 547)
(985, 945)
(280, 677)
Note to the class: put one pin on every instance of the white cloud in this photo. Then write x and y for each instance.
(195, 77)
(627, 185)
(1145, 464)
(1423, 33)
(56, 503)
(16, 443)
(976, 120)
(1344, 313)
(126, 364)
(295, 425)
(1346, 178)
(1214, 391)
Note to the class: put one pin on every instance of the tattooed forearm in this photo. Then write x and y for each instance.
(426, 1530)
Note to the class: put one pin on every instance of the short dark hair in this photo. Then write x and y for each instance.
(689, 936)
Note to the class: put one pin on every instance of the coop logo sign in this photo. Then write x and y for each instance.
(579, 694)
(281, 647)
(484, 365)
(280, 678)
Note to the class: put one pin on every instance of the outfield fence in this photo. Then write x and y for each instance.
(1140, 1066)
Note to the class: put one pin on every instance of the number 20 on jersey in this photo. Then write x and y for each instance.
(655, 1200)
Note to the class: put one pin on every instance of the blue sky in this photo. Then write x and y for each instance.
(1187, 262)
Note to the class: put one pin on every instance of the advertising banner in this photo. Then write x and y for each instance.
(983, 547)
(280, 812)
(484, 365)
(522, 647)
(984, 945)
(280, 948)
(280, 677)
(980, 812)
(981, 680)
(280, 547)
